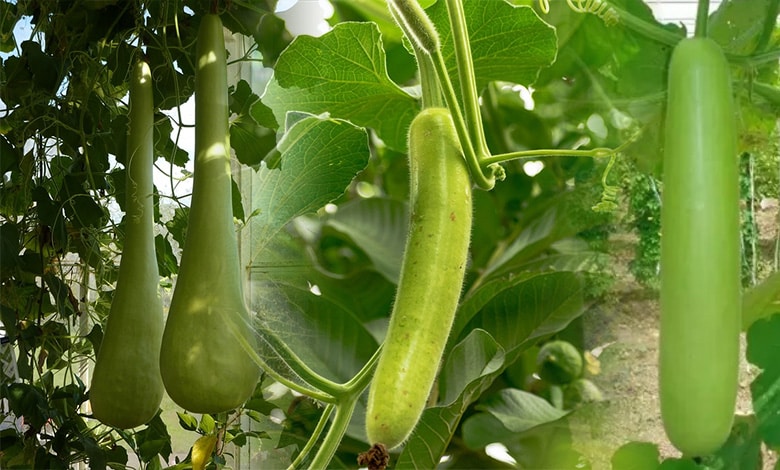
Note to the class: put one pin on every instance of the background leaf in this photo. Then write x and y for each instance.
(378, 227)
(763, 339)
(320, 157)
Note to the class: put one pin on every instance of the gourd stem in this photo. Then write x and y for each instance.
(429, 82)
(336, 432)
(435, 59)
(332, 389)
(315, 435)
(702, 16)
(360, 381)
(461, 127)
(468, 82)
(600, 152)
(321, 395)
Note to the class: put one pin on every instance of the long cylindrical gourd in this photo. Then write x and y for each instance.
(126, 388)
(204, 363)
(431, 279)
(700, 251)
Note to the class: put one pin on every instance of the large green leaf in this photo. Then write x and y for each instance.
(519, 410)
(508, 43)
(738, 25)
(519, 310)
(319, 159)
(378, 227)
(342, 73)
(549, 446)
(559, 217)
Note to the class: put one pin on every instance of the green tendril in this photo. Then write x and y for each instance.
(609, 193)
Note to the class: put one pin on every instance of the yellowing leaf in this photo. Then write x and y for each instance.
(202, 450)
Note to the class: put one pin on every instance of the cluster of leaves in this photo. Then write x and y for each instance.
(62, 146)
(327, 133)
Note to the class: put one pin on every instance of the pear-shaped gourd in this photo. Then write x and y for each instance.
(127, 388)
(203, 359)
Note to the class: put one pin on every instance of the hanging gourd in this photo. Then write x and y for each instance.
(126, 388)
(204, 360)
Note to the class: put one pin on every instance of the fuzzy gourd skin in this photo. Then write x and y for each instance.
(203, 363)
(127, 388)
(431, 280)
(700, 252)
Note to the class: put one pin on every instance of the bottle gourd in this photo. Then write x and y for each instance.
(700, 251)
(203, 362)
(126, 388)
(431, 280)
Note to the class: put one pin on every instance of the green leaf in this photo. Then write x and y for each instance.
(742, 449)
(520, 310)
(470, 368)
(737, 25)
(238, 206)
(319, 159)
(548, 445)
(342, 73)
(518, 410)
(207, 424)
(10, 247)
(10, 15)
(171, 87)
(163, 145)
(10, 156)
(761, 300)
(636, 456)
(28, 401)
(559, 217)
(63, 296)
(187, 421)
(43, 67)
(256, 19)
(250, 140)
(763, 344)
(508, 43)
(95, 337)
(166, 260)
(154, 440)
(378, 227)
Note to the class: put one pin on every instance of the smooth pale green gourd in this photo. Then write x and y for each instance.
(203, 359)
(700, 251)
(431, 279)
(127, 388)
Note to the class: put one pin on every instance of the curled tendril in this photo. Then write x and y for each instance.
(599, 8)
(497, 171)
(609, 193)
